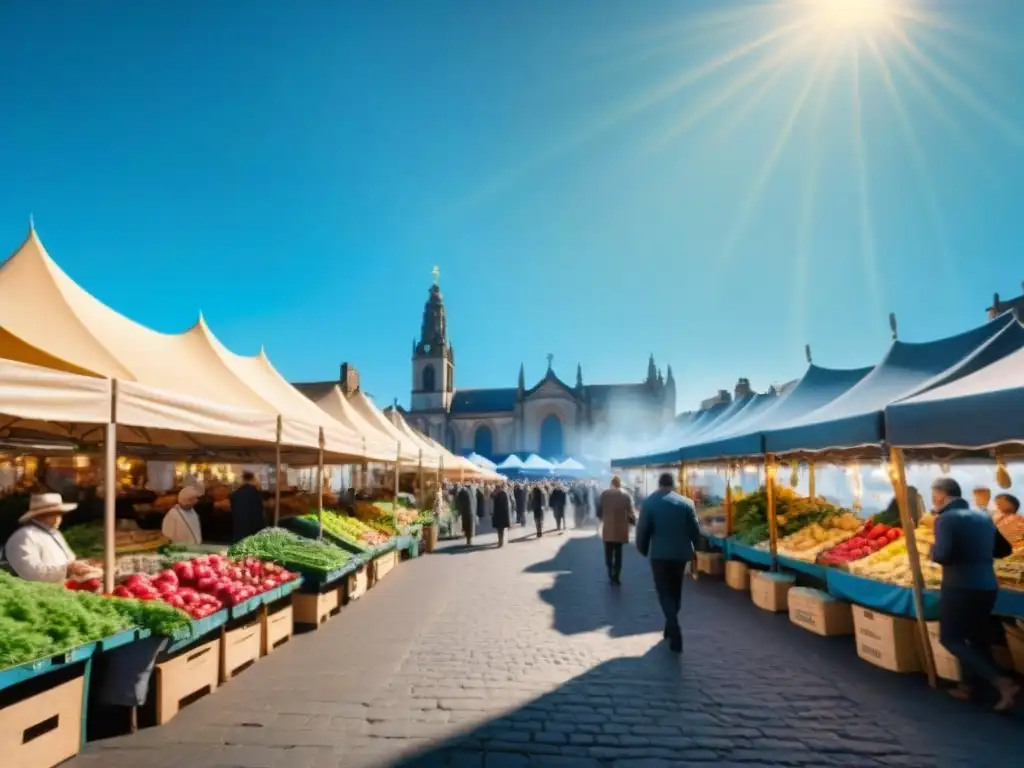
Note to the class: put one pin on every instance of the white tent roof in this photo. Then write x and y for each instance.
(533, 461)
(73, 407)
(366, 408)
(47, 319)
(511, 462)
(481, 461)
(380, 446)
(572, 464)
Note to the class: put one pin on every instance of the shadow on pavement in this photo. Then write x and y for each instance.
(660, 710)
(584, 601)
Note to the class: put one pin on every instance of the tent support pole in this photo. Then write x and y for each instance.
(277, 474)
(728, 500)
(645, 482)
(110, 494)
(320, 486)
(898, 466)
(682, 479)
(811, 490)
(421, 494)
(398, 474)
(773, 520)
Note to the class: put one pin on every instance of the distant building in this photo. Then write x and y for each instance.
(721, 398)
(999, 305)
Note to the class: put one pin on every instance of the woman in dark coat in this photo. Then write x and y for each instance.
(520, 496)
(501, 516)
(481, 502)
(537, 507)
(558, 501)
(465, 503)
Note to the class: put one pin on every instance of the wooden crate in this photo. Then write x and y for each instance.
(356, 583)
(819, 612)
(889, 642)
(240, 648)
(769, 591)
(382, 565)
(193, 671)
(44, 729)
(711, 563)
(315, 609)
(278, 627)
(1015, 642)
(737, 575)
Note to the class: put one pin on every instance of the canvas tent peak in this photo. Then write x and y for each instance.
(380, 446)
(481, 461)
(370, 413)
(511, 462)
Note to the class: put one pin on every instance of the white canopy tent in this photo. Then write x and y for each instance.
(379, 445)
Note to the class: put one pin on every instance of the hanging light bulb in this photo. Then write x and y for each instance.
(1003, 479)
(944, 467)
(794, 476)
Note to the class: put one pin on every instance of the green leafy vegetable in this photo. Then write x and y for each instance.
(291, 551)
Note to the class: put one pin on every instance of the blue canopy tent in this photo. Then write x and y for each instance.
(535, 466)
(481, 461)
(570, 468)
(855, 419)
(678, 433)
(979, 411)
(511, 467)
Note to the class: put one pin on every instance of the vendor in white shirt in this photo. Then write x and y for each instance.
(181, 523)
(37, 551)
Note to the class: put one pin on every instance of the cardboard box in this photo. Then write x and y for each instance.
(819, 612)
(711, 563)
(44, 729)
(737, 575)
(769, 591)
(1015, 642)
(946, 664)
(887, 641)
(184, 675)
(239, 648)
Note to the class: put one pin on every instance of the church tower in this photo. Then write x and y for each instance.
(433, 360)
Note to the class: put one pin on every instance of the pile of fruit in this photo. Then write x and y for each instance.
(807, 543)
(792, 513)
(199, 587)
(356, 533)
(891, 563)
(868, 539)
(276, 545)
(39, 620)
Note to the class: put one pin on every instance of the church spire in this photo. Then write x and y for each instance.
(522, 378)
(579, 376)
(670, 380)
(434, 329)
(652, 370)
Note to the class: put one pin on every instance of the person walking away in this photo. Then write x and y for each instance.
(247, 515)
(465, 503)
(501, 514)
(615, 509)
(967, 544)
(667, 534)
(537, 507)
(558, 501)
(520, 497)
(481, 502)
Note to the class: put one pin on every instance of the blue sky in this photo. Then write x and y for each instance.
(295, 170)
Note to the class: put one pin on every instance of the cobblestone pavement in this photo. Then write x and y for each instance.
(525, 657)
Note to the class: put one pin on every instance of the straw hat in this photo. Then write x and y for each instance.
(45, 504)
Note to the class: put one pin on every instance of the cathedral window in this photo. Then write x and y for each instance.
(483, 441)
(428, 378)
(552, 442)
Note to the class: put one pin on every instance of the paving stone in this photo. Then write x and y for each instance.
(524, 658)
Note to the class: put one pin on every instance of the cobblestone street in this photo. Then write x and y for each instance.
(524, 656)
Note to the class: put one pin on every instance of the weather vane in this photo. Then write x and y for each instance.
(436, 272)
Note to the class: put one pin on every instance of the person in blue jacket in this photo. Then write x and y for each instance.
(668, 534)
(967, 544)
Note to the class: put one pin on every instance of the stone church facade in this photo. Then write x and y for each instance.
(551, 418)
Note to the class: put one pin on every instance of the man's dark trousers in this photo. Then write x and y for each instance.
(668, 583)
(613, 558)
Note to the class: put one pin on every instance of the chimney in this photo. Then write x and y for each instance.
(349, 381)
(743, 389)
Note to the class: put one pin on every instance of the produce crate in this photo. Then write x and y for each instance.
(946, 664)
(889, 642)
(769, 591)
(429, 537)
(185, 676)
(43, 726)
(737, 575)
(356, 583)
(382, 565)
(278, 625)
(315, 609)
(1015, 642)
(240, 648)
(819, 612)
(711, 563)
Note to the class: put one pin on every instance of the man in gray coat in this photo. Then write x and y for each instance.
(667, 534)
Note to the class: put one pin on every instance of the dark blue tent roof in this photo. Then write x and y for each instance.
(981, 410)
(855, 418)
(674, 435)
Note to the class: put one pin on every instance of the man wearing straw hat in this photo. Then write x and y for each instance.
(37, 551)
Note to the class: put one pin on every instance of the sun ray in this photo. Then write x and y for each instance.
(726, 94)
(753, 196)
(867, 234)
(805, 224)
(956, 88)
(918, 159)
(934, 22)
(620, 115)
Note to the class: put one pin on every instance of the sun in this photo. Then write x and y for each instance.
(850, 14)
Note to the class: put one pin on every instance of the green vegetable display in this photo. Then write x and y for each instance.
(291, 551)
(85, 540)
(39, 620)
